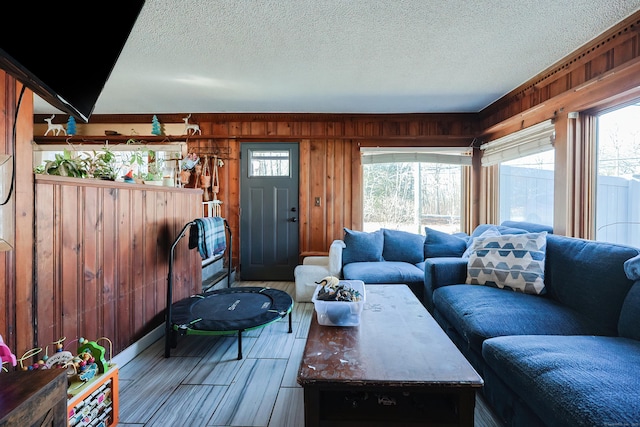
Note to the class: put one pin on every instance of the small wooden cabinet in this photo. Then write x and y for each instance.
(33, 398)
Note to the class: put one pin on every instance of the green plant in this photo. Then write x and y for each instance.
(155, 167)
(138, 158)
(66, 164)
(104, 164)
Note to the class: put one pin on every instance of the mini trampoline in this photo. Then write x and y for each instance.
(222, 311)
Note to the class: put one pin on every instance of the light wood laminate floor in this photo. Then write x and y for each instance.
(203, 383)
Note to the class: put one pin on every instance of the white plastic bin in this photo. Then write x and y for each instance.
(340, 313)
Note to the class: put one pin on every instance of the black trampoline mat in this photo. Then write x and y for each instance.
(231, 309)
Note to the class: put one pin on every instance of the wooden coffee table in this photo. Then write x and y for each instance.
(397, 368)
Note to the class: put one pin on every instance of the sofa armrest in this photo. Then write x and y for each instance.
(335, 258)
(440, 272)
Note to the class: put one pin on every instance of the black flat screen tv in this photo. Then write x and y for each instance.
(65, 51)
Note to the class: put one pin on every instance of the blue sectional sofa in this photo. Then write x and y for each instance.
(563, 349)
(385, 256)
(398, 257)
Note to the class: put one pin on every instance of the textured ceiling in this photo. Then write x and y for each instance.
(343, 56)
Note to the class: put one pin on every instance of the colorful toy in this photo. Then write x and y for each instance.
(94, 352)
(5, 354)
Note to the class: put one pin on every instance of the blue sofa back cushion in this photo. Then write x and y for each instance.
(402, 246)
(588, 276)
(362, 246)
(501, 229)
(629, 323)
(440, 244)
(567, 380)
(531, 227)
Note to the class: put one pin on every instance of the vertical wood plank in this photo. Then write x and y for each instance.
(90, 296)
(22, 259)
(304, 149)
(70, 246)
(45, 252)
(128, 236)
(109, 262)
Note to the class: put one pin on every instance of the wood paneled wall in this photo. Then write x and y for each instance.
(102, 256)
(602, 73)
(16, 266)
(330, 166)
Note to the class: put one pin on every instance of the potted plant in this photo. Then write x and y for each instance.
(137, 163)
(154, 170)
(104, 165)
(66, 164)
(187, 166)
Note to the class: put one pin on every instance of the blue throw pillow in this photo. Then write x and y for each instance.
(362, 246)
(441, 244)
(402, 246)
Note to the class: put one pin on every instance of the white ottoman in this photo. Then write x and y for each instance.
(306, 276)
(315, 268)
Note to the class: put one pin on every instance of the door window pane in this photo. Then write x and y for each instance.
(269, 163)
(618, 180)
(526, 188)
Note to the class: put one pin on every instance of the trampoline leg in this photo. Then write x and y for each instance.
(239, 345)
(290, 330)
(170, 341)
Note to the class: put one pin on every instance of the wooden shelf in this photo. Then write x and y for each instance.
(454, 140)
(116, 139)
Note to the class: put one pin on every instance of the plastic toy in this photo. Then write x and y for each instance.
(6, 355)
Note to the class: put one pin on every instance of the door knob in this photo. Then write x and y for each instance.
(293, 219)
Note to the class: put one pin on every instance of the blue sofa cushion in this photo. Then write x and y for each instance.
(501, 229)
(401, 245)
(383, 272)
(531, 227)
(632, 268)
(440, 244)
(588, 276)
(361, 246)
(629, 323)
(513, 261)
(481, 312)
(568, 380)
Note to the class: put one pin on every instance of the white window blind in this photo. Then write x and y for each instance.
(461, 156)
(532, 140)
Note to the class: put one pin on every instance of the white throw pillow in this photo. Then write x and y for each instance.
(489, 232)
(514, 261)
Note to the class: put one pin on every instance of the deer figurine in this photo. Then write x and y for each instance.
(54, 128)
(194, 128)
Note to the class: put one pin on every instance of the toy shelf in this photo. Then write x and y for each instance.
(94, 403)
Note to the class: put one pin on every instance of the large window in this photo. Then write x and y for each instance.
(526, 188)
(525, 161)
(618, 179)
(402, 192)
